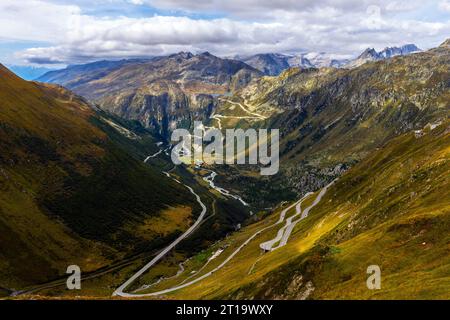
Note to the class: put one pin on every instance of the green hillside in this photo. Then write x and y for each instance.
(72, 189)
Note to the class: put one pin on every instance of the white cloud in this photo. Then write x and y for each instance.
(445, 5)
(265, 8)
(136, 2)
(345, 28)
(35, 20)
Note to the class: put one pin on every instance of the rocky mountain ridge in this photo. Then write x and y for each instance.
(273, 64)
(370, 54)
(162, 93)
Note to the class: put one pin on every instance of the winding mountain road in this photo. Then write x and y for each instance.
(217, 118)
(225, 192)
(251, 116)
(268, 245)
(291, 224)
(153, 155)
(281, 238)
(231, 256)
(146, 286)
(254, 114)
(120, 291)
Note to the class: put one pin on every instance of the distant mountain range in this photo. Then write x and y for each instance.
(29, 72)
(371, 54)
(323, 59)
(274, 63)
(167, 92)
(85, 72)
(268, 63)
(162, 92)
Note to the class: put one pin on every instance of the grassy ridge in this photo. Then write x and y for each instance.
(71, 186)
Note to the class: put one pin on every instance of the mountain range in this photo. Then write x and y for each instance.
(371, 54)
(86, 178)
(272, 64)
(163, 92)
(160, 92)
(29, 72)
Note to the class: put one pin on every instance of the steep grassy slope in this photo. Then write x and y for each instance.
(72, 188)
(391, 210)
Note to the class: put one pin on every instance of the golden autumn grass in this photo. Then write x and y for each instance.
(173, 218)
(392, 210)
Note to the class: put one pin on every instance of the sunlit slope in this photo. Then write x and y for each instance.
(391, 210)
(329, 119)
(72, 189)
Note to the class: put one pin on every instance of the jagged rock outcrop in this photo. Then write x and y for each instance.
(371, 54)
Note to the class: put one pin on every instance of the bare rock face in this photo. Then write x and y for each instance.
(371, 54)
(273, 64)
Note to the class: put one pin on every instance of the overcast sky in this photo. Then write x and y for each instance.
(65, 32)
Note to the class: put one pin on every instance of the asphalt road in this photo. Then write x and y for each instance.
(120, 291)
